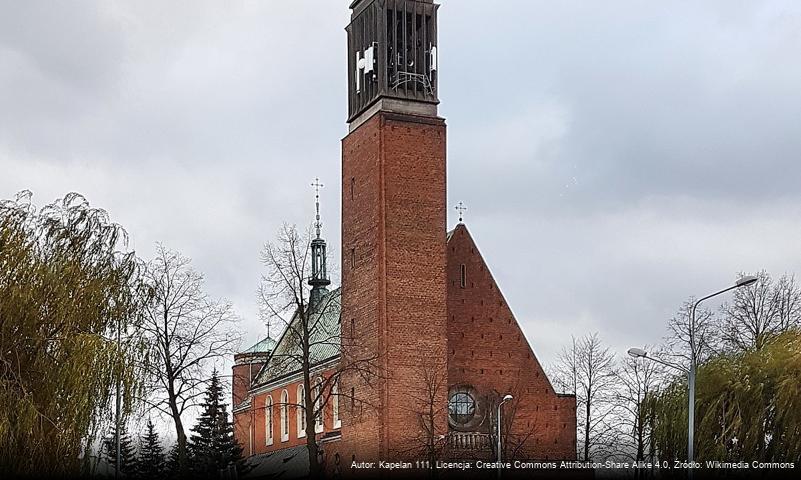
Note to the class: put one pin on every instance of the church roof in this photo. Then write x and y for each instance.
(265, 345)
(326, 344)
(324, 327)
(292, 462)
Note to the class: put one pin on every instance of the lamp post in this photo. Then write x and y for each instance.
(506, 398)
(638, 352)
(742, 282)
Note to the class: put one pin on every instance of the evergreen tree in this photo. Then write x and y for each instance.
(172, 466)
(212, 445)
(151, 454)
(129, 465)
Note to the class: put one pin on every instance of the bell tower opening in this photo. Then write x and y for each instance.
(393, 63)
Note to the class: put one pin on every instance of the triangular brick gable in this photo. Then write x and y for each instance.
(488, 351)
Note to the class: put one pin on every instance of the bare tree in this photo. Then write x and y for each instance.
(310, 338)
(515, 434)
(431, 439)
(788, 298)
(564, 373)
(760, 311)
(187, 331)
(678, 338)
(637, 381)
(589, 368)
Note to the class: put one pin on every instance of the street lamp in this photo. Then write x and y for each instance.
(506, 398)
(742, 282)
(640, 353)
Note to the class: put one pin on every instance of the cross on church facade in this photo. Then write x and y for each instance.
(461, 209)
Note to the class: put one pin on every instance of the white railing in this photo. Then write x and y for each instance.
(468, 441)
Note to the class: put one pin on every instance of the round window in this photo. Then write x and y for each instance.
(461, 407)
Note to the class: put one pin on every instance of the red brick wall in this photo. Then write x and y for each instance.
(394, 294)
(242, 378)
(242, 420)
(487, 350)
(257, 412)
(362, 288)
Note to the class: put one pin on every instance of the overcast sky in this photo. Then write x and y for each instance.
(616, 157)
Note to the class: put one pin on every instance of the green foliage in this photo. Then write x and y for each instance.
(65, 290)
(129, 464)
(748, 406)
(669, 420)
(152, 463)
(212, 445)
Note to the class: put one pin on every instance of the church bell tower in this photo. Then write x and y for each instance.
(393, 227)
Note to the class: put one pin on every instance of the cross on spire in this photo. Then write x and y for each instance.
(317, 186)
(461, 209)
(319, 273)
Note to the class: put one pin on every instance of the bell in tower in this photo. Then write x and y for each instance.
(392, 52)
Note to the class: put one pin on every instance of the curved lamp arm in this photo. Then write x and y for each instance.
(640, 353)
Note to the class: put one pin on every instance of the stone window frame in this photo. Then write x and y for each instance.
(478, 408)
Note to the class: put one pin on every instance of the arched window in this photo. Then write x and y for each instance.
(461, 406)
(268, 419)
(335, 404)
(284, 416)
(318, 405)
(301, 412)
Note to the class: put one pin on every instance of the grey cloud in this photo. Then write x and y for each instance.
(651, 146)
(690, 98)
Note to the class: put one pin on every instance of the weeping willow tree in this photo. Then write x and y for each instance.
(66, 288)
(668, 421)
(748, 406)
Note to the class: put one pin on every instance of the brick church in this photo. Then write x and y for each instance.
(417, 300)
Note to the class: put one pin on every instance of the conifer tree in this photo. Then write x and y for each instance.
(212, 445)
(151, 455)
(129, 465)
(172, 467)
